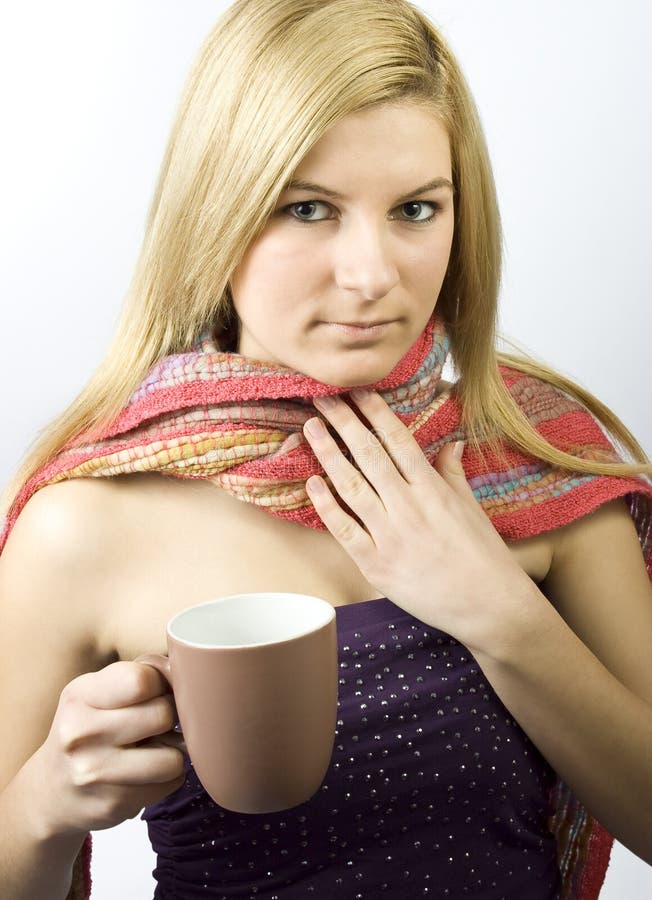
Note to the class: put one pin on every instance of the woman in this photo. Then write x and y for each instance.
(327, 171)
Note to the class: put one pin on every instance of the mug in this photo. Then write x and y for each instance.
(254, 678)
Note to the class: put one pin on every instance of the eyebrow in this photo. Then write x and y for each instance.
(433, 185)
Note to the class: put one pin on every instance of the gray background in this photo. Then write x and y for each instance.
(88, 92)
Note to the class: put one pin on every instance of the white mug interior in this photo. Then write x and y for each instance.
(249, 620)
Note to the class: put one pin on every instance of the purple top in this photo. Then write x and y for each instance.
(433, 790)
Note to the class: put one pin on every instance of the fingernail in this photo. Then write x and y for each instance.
(325, 402)
(458, 449)
(316, 427)
(360, 394)
(315, 485)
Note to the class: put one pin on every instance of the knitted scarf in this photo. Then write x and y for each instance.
(237, 421)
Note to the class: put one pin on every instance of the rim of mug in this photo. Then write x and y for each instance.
(329, 612)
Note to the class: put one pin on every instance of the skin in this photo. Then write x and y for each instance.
(360, 258)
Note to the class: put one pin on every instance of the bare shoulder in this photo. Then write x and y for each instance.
(586, 538)
(599, 584)
(598, 559)
(80, 519)
(64, 519)
(62, 552)
(89, 536)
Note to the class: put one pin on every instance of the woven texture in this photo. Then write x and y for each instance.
(238, 422)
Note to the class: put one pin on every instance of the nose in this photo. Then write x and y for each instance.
(364, 261)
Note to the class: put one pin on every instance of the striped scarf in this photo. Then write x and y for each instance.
(237, 421)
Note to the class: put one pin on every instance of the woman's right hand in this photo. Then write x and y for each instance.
(110, 750)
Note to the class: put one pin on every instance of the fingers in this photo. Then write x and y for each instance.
(147, 765)
(83, 725)
(368, 491)
(345, 529)
(121, 684)
(128, 766)
(349, 483)
(352, 484)
(122, 704)
(371, 490)
(397, 440)
(144, 720)
(387, 454)
(393, 479)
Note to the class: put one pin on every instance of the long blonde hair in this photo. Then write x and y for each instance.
(271, 78)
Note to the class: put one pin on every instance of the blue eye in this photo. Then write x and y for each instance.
(292, 207)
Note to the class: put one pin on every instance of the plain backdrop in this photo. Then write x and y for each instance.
(88, 91)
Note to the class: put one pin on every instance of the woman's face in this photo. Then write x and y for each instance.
(376, 252)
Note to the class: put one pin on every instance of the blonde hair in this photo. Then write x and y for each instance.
(269, 81)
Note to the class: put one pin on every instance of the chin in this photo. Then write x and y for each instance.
(361, 376)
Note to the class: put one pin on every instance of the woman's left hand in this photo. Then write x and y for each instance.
(424, 540)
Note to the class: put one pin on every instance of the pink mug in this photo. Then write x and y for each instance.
(254, 678)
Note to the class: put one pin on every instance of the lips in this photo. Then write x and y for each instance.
(364, 324)
(366, 331)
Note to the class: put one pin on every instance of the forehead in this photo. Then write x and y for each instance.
(393, 136)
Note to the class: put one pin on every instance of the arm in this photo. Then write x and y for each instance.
(582, 692)
(91, 736)
(34, 865)
(47, 638)
(574, 671)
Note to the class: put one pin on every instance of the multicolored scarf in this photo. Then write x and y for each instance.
(238, 421)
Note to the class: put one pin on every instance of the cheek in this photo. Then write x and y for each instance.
(440, 255)
(273, 260)
(429, 265)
